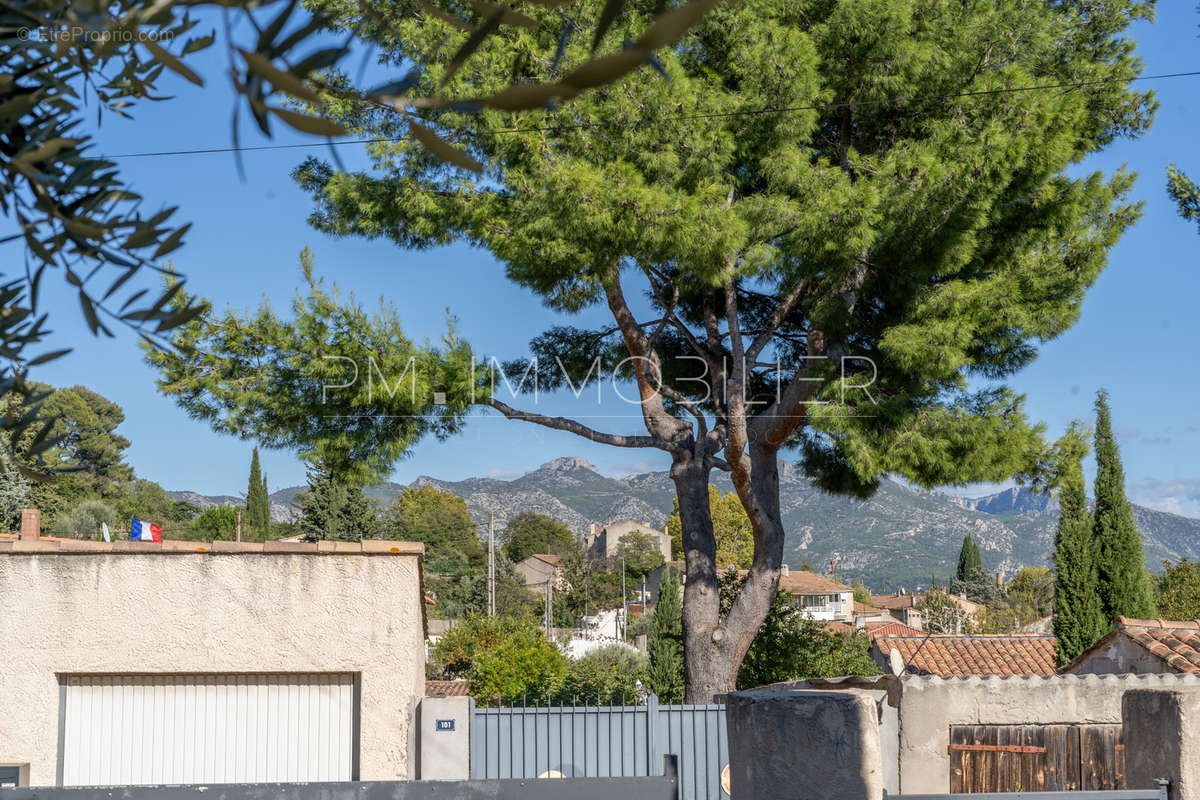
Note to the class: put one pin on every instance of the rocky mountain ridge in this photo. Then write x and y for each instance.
(898, 537)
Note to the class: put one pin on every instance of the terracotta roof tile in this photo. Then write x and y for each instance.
(877, 629)
(447, 689)
(67, 546)
(802, 581)
(1175, 642)
(1009, 654)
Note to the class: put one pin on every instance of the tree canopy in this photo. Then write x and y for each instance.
(1078, 617)
(731, 528)
(529, 532)
(831, 248)
(438, 519)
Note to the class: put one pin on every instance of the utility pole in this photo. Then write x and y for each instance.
(549, 603)
(239, 526)
(492, 567)
(624, 605)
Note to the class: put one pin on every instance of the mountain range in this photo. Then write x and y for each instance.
(898, 537)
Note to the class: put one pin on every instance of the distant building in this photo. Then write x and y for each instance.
(903, 606)
(606, 542)
(539, 569)
(818, 597)
(1142, 647)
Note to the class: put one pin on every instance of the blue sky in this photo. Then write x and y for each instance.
(1138, 335)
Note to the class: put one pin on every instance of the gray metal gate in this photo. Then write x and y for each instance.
(602, 741)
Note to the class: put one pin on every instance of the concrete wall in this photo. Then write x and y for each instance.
(134, 607)
(1117, 655)
(816, 745)
(606, 542)
(445, 754)
(1161, 730)
(928, 706)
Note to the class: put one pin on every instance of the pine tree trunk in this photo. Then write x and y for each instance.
(714, 646)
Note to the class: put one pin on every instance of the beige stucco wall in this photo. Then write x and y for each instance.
(928, 706)
(130, 607)
(1116, 655)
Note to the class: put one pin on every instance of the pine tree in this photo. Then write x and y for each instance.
(258, 504)
(969, 560)
(1123, 585)
(1078, 620)
(665, 675)
(333, 508)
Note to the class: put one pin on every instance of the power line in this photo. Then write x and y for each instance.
(851, 104)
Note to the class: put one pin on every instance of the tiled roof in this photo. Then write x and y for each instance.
(802, 581)
(877, 629)
(549, 558)
(447, 689)
(50, 544)
(898, 601)
(1005, 654)
(895, 601)
(863, 608)
(837, 627)
(1176, 643)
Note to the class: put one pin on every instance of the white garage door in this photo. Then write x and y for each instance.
(152, 729)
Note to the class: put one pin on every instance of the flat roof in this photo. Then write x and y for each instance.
(11, 544)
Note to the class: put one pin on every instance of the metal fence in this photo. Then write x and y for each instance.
(644, 788)
(602, 741)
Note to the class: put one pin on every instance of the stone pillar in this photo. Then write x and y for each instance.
(804, 745)
(31, 523)
(1161, 733)
(445, 739)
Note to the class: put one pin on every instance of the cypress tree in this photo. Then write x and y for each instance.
(258, 504)
(969, 560)
(1078, 621)
(1121, 568)
(665, 675)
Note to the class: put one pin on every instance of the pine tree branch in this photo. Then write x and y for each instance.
(579, 429)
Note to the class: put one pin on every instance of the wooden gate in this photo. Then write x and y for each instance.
(1036, 758)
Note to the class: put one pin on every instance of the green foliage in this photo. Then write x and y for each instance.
(981, 587)
(664, 677)
(940, 614)
(505, 658)
(595, 583)
(84, 520)
(861, 593)
(969, 560)
(731, 527)
(333, 507)
(529, 532)
(14, 490)
(217, 522)
(1123, 584)
(258, 500)
(441, 521)
(640, 553)
(1179, 590)
(790, 646)
(1078, 616)
(610, 675)
(463, 591)
(80, 427)
(1186, 194)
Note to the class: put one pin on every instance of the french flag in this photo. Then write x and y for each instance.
(145, 531)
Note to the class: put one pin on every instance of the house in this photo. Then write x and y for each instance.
(866, 615)
(606, 542)
(307, 655)
(539, 569)
(820, 598)
(1142, 647)
(904, 606)
(954, 655)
